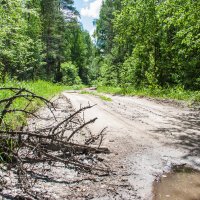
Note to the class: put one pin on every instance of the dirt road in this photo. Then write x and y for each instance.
(146, 137)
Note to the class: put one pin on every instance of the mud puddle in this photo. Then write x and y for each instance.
(183, 183)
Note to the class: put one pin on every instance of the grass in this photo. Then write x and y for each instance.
(177, 93)
(48, 90)
(41, 88)
(104, 98)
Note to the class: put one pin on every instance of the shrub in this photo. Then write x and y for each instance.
(70, 74)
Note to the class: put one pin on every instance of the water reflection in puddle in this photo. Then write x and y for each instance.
(180, 184)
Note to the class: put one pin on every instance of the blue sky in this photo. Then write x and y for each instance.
(89, 10)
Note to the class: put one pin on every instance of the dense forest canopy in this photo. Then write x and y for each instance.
(42, 39)
(138, 43)
(150, 43)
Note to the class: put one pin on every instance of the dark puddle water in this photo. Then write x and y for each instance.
(182, 183)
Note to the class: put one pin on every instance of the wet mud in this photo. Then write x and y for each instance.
(183, 183)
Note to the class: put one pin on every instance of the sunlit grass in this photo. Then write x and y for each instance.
(41, 88)
(104, 98)
(177, 93)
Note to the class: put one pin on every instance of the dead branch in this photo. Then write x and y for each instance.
(50, 144)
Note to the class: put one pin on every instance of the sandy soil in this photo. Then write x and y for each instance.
(146, 137)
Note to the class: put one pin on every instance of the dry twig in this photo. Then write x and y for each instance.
(50, 144)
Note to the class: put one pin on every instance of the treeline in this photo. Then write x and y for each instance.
(42, 39)
(149, 43)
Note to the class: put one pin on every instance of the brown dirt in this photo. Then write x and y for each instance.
(146, 139)
(181, 184)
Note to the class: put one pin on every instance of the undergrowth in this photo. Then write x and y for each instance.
(177, 93)
(41, 88)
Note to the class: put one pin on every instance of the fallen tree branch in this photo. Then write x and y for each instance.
(51, 144)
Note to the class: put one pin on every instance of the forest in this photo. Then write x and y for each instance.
(150, 43)
(43, 40)
(136, 44)
(50, 144)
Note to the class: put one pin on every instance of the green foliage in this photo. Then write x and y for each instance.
(139, 44)
(104, 98)
(6, 154)
(104, 31)
(36, 36)
(94, 69)
(70, 74)
(41, 88)
(177, 93)
(82, 50)
(108, 72)
(152, 44)
(20, 50)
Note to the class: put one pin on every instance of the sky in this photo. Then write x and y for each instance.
(89, 10)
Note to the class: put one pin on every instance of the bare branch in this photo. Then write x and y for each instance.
(50, 144)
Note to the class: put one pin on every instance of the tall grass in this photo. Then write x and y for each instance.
(41, 88)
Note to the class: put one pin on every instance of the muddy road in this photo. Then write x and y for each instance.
(146, 137)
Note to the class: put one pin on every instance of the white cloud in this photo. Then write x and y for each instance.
(92, 10)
